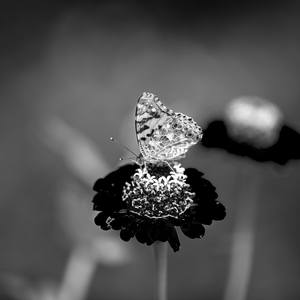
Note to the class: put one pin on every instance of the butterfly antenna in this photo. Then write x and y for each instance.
(128, 158)
(123, 146)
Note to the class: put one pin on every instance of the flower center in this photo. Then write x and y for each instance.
(158, 192)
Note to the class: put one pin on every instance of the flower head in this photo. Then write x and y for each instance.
(254, 121)
(149, 202)
(255, 128)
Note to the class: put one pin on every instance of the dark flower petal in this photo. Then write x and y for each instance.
(109, 196)
(193, 173)
(201, 186)
(215, 135)
(101, 219)
(219, 211)
(193, 230)
(116, 179)
(116, 224)
(126, 234)
(148, 233)
(101, 184)
(207, 211)
(156, 231)
(129, 227)
(202, 217)
(173, 239)
(142, 234)
(197, 216)
(105, 202)
(287, 147)
(121, 175)
(162, 232)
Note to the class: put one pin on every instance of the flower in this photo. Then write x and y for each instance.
(149, 202)
(253, 120)
(255, 128)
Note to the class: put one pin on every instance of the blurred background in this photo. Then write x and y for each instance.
(70, 75)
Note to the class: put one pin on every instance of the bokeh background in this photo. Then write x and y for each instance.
(70, 75)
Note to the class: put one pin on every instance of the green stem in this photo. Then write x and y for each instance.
(161, 257)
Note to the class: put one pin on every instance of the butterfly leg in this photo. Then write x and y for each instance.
(168, 165)
(145, 165)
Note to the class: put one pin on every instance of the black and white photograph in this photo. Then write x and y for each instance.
(149, 150)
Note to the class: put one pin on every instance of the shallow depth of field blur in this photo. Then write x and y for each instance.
(70, 76)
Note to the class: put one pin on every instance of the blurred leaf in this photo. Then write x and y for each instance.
(78, 151)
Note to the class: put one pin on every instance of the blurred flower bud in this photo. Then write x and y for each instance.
(254, 121)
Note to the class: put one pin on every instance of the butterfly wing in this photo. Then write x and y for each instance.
(182, 133)
(150, 116)
(162, 134)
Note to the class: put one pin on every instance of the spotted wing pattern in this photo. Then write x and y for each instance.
(162, 134)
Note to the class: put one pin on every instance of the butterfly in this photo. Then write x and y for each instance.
(162, 134)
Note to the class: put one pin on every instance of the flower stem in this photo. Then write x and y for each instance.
(242, 248)
(160, 254)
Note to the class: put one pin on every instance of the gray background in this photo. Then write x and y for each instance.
(87, 64)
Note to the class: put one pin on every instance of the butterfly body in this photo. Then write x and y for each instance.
(162, 134)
